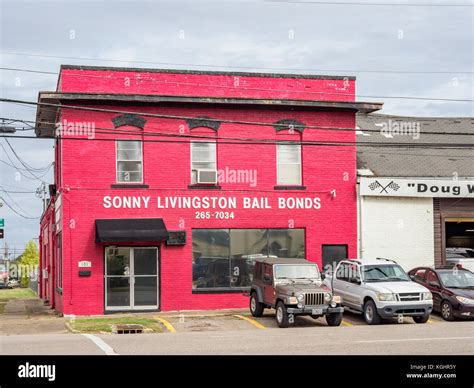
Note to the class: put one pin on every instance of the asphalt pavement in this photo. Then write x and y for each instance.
(441, 338)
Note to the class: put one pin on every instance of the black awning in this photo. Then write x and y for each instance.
(126, 230)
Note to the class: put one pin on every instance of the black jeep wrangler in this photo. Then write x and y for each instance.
(292, 287)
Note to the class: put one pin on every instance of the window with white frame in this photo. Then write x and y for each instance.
(203, 162)
(129, 161)
(288, 164)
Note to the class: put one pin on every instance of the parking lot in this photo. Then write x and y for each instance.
(242, 320)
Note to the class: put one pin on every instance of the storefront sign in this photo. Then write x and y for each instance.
(416, 187)
(220, 203)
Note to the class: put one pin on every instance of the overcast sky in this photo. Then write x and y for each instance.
(407, 41)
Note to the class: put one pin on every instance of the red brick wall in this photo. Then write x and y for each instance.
(206, 85)
(88, 171)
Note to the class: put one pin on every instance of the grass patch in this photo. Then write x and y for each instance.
(95, 325)
(17, 293)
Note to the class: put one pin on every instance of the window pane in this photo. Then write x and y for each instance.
(289, 153)
(146, 291)
(129, 155)
(128, 145)
(289, 174)
(204, 166)
(203, 152)
(211, 258)
(118, 291)
(287, 243)
(145, 261)
(118, 261)
(245, 245)
(129, 172)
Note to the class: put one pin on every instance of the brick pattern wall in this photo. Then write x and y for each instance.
(88, 171)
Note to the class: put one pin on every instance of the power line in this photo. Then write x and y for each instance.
(261, 89)
(20, 170)
(273, 142)
(371, 4)
(324, 128)
(207, 65)
(176, 117)
(17, 192)
(26, 165)
(253, 140)
(18, 213)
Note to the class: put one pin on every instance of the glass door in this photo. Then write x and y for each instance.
(145, 279)
(131, 278)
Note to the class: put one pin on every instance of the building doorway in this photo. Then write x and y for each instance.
(332, 255)
(131, 278)
(459, 238)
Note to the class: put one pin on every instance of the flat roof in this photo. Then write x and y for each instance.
(209, 72)
(47, 110)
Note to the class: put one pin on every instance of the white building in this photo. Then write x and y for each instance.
(415, 203)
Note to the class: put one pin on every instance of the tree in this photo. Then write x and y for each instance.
(29, 261)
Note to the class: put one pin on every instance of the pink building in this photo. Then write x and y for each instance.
(169, 182)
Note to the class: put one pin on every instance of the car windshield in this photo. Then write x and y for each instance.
(384, 273)
(457, 278)
(289, 271)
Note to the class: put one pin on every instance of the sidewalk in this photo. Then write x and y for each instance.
(29, 316)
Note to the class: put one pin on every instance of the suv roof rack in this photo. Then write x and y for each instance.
(385, 259)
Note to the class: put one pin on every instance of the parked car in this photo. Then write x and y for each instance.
(379, 289)
(461, 262)
(13, 283)
(292, 287)
(452, 289)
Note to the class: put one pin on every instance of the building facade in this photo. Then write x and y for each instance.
(168, 183)
(415, 203)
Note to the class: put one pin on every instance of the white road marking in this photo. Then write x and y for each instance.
(101, 345)
(415, 339)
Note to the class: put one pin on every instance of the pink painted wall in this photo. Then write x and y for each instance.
(88, 171)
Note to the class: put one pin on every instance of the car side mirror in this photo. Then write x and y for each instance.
(323, 276)
(267, 277)
(412, 277)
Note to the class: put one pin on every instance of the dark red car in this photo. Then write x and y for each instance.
(452, 289)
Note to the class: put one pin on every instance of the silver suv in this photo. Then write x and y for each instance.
(380, 289)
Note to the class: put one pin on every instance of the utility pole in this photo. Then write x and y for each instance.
(42, 193)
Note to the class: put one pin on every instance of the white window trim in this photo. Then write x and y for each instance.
(191, 158)
(300, 164)
(117, 162)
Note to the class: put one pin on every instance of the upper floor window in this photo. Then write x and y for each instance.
(129, 161)
(203, 162)
(288, 164)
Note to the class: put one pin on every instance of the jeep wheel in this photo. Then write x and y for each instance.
(334, 319)
(422, 319)
(282, 315)
(447, 311)
(371, 316)
(256, 308)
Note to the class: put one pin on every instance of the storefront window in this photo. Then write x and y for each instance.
(211, 266)
(288, 243)
(225, 258)
(245, 244)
